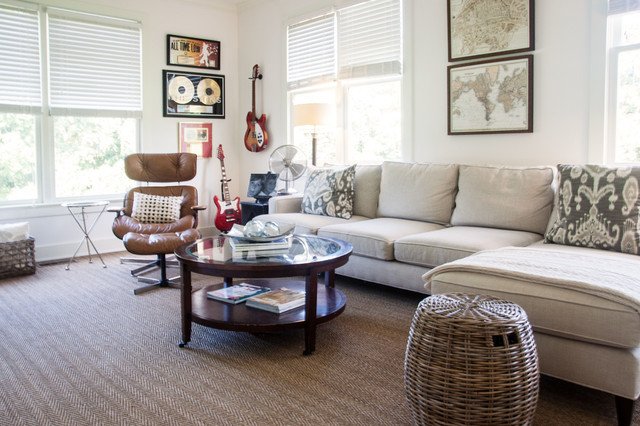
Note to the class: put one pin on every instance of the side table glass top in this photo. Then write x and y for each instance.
(304, 249)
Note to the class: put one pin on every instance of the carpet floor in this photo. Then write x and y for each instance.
(78, 348)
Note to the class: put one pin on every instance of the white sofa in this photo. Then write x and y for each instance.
(410, 218)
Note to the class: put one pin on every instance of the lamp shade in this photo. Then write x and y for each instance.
(312, 114)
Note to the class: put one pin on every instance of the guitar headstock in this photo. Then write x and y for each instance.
(220, 153)
(256, 73)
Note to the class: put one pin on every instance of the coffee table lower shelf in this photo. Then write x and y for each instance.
(226, 316)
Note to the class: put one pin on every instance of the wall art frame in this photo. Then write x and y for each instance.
(478, 28)
(196, 138)
(193, 94)
(193, 52)
(491, 96)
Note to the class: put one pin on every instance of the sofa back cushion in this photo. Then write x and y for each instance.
(504, 197)
(367, 190)
(598, 207)
(417, 191)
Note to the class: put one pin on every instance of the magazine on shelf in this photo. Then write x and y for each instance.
(278, 301)
(237, 293)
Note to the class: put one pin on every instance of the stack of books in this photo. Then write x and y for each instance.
(241, 247)
(278, 301)
(237, 293)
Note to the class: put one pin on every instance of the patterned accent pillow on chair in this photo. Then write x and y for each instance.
(149, 208)
(330, 192)
(597, 208)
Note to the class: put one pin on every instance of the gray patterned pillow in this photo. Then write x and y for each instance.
(598, 208)
(330, 192)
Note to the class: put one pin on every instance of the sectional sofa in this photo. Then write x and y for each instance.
(478, 229)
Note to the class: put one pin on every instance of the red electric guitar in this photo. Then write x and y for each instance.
(255, 138)
(228, 210)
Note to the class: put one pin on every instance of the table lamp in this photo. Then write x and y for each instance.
(312, 114)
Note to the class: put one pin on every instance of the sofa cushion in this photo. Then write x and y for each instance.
(504, 197)
(367, 190)
(435, 248)
(375, 237)
(307, 223)
(415, 191)
(598, 208)
(330, 192)
(557, 310)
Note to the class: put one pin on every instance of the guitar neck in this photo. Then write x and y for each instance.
(225, 186)
(253, 99)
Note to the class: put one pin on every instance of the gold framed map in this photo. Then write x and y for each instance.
(481, 28)
(492, 96)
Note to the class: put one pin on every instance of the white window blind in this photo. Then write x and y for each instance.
(93, 66)
(623, 6)
(311, 51)
(370, 39)
(19, 60)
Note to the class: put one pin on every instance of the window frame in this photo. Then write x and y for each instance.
(45, 162)
(405, 150)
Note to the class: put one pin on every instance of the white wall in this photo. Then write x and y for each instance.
(54, 230)
(562, 60)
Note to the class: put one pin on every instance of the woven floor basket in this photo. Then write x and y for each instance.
(17, 258)
(471, 360)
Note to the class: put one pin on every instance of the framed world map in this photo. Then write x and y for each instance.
(493, 96)
(481, 28)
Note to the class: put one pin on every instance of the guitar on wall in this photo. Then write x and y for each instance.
(255, 138)
(228, 210)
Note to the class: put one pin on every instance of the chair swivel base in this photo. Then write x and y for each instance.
(156, 283)
(148, 264)
(161, 263)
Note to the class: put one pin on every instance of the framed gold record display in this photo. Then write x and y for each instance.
(192, 94)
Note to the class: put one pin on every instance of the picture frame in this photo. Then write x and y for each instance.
(476, 29)
(196, 138)
(193, 52)
(491, 96)
(192, 95)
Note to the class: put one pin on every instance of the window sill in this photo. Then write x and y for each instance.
(29, 211)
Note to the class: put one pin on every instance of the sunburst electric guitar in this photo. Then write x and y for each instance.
(228, 210)
(255, 138)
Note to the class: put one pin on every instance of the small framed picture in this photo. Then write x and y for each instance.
(195, 138)
(493, 96)
(193, 52)
(192, 95)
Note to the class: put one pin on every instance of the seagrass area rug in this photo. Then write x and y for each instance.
(78, 348)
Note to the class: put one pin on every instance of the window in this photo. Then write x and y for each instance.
(70, 103)
(350, 61)
(623, 109)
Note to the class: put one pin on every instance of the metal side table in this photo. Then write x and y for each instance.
(77, 210)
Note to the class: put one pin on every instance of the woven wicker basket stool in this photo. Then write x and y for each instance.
(471, 360)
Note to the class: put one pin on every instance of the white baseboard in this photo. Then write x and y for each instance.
(63, 251)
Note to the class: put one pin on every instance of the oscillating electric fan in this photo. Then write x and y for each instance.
(289, 163)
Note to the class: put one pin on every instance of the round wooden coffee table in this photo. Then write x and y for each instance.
(308, 256)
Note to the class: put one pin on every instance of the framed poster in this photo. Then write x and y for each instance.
(193, 52)
(195, 138)
(493, 96)
(481, 28)
(192, 95)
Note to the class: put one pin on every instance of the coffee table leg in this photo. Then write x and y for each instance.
(185, 304)
(311, 289)
(330, 278)
(228, 281)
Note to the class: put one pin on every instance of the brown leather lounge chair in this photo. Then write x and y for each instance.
(158, 225)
